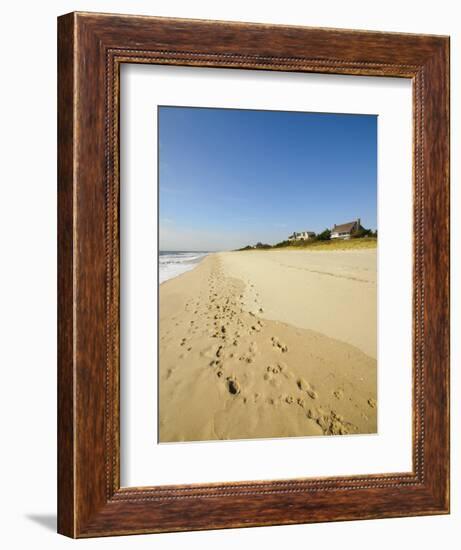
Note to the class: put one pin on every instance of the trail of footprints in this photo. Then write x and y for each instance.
(229, 324)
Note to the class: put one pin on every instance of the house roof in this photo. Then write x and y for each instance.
(344, 227)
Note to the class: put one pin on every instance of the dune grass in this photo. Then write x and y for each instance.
(334, 244)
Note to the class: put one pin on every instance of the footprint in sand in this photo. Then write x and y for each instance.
(314, 413)
(233, 386)
(252, 350)
(331, 423)
(169, 372)
(283, 368)
(278, 345)
(372, 403)
(339, 394)
(271, 376)
(305, 386)
(272, 370)
(336, 425)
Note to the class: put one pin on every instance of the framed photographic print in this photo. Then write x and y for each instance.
(253, 275)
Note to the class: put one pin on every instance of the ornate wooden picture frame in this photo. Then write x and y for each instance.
(92, 48)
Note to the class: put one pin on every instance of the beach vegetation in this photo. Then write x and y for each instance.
(324, 235)
(367, 241)
(360, 234)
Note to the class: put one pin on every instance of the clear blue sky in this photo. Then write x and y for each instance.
(228, 178)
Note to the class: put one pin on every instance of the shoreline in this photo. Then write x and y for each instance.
(174, 266)
(229, 371)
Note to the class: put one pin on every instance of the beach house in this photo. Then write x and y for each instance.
(301, 236)
(345, 230)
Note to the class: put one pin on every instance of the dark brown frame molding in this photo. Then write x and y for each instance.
(91, 48)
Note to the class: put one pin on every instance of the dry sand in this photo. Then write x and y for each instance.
(269, 344)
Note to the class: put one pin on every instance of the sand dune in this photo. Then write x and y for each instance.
(269, 344)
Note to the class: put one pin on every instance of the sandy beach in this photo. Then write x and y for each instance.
(273, 343)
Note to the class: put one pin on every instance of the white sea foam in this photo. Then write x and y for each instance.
(172, 264)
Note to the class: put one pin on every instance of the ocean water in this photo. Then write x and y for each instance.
(172, 264)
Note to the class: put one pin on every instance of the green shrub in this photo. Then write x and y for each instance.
(324, 235)
(361, 233)
(261, 245)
